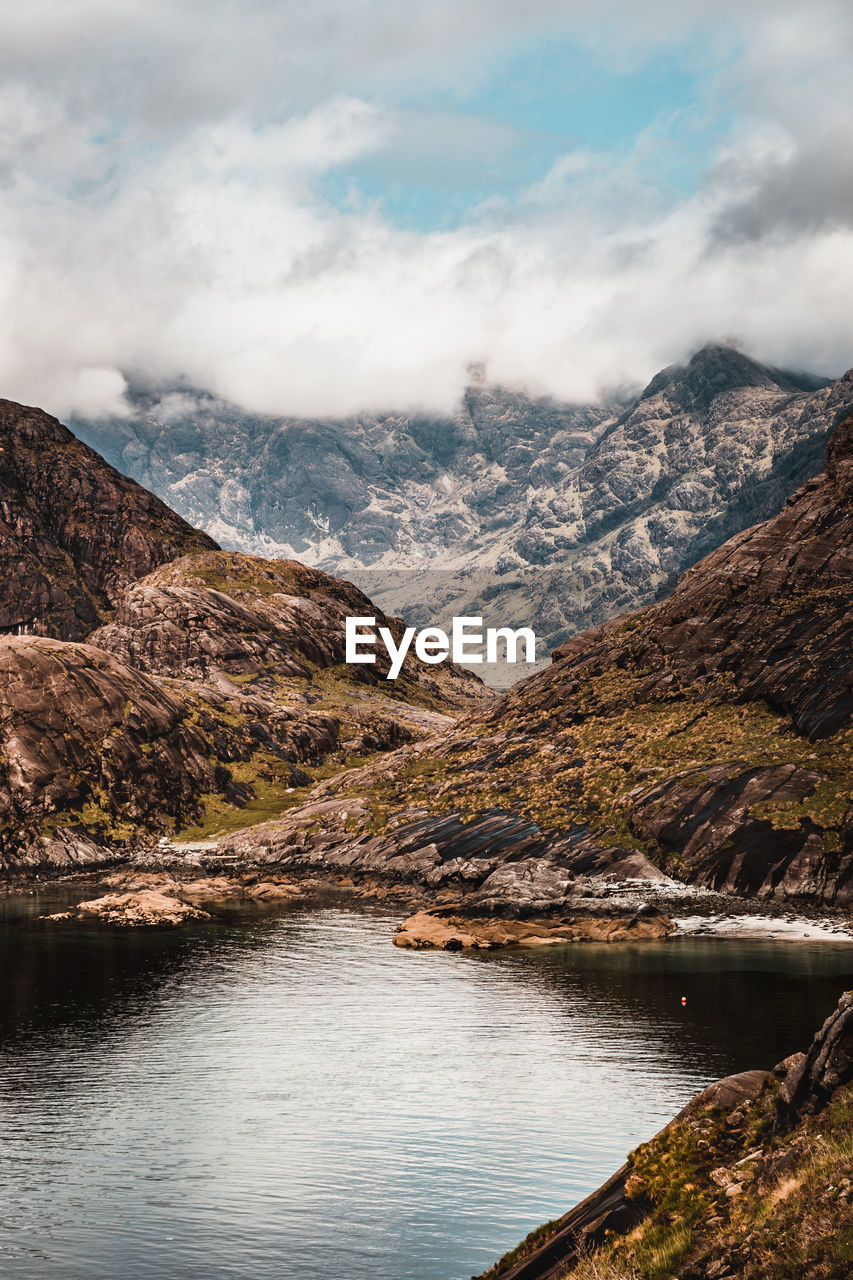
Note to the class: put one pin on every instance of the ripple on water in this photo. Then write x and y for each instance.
(293, 1096)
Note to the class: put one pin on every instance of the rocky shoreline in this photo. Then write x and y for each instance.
(610, 911)
(753, 1172)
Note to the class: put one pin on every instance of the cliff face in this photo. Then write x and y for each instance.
(80, 732)
(516, 507)
(73, 531)
(708, 737)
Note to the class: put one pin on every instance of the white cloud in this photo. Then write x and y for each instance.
(159, 215)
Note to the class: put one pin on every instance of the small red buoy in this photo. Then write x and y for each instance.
(684, 999)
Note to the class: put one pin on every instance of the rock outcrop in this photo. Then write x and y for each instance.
(811, 1081)
(73, 531)
(144, 909)
(446, 929)
(82, 735)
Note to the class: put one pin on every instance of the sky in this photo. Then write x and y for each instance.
(339, 206)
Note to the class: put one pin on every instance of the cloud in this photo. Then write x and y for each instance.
(162, 172)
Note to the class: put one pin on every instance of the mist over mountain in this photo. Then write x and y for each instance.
(519, 508)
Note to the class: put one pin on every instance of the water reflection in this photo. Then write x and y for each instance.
(295, 1097)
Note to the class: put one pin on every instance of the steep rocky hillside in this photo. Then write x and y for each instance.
(517, 508)
(216, 696)
(753, 1179)
(708, 737)
(73, 531)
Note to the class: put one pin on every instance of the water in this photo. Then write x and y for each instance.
(292, 1096)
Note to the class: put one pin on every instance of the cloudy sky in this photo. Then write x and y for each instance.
(326, 206)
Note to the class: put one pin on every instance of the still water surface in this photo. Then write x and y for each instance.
(292, 1096)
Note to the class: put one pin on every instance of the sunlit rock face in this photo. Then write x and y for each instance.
(73, 532)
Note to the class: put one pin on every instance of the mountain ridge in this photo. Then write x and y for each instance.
(435, 517)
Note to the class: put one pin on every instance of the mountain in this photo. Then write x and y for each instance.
(706, 738)
(517, 508)
(214, 698)
(73, 531)
(387, 491)
(212, 690)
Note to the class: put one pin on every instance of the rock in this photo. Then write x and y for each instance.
(143, 909)
(73, 531)
(63, 850)
(503, 864)
(708, 817)
(828, 1064)
(787, 1065)
(204, 889)
(727, 1093)
(442, 929)
(77, 725)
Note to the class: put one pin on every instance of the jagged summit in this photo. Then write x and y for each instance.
(716, 369)
(613, 500)
(708, 738)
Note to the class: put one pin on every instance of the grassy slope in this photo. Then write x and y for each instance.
(583, 766)
(792, 1219)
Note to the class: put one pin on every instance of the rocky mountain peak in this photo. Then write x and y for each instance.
(515, 507)
(716, 369)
